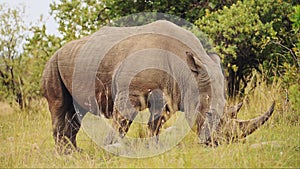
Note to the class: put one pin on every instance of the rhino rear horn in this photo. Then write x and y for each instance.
(232, 111)
(249, 126)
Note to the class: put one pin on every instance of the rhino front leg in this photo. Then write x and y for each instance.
(157, 105)
(155, 123)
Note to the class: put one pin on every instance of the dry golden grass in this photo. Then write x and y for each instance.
(26, 142)
(5, 109)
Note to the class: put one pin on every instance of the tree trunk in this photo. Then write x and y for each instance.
(231, 81)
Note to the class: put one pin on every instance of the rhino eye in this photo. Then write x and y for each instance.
(209, 114)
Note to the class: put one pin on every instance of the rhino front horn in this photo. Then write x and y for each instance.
(246, 127)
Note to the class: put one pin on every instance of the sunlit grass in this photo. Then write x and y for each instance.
(26, 141)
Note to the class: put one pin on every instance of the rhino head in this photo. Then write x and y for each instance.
(219, 123)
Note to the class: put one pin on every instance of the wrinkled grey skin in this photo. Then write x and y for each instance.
(151, 88)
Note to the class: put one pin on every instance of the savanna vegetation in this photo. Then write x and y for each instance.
(259, 45)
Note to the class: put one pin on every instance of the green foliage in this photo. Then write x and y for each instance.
(295, 18)
(38, 49)
(291, 73)
(77, 18)
(12, 34)
(190, 10)
(249, 34)
(22, 58)
(294, 97)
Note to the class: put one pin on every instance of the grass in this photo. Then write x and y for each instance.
(26, 142)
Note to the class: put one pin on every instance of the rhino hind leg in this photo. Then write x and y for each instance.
(65, 125)
(72, 126)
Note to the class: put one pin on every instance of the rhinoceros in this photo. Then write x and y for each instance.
(118, 71)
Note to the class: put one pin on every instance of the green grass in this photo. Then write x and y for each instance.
(26, 142)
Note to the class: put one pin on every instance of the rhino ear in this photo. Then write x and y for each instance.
(191, 61)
